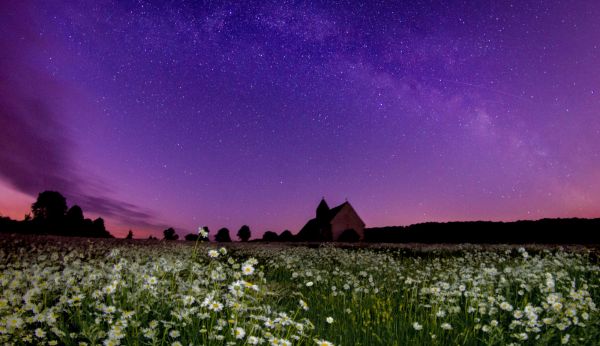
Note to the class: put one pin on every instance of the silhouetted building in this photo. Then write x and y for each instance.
(329, 224)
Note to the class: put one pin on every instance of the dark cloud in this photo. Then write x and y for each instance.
(36, 153)
(126, 213)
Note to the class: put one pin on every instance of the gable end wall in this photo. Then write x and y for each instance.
(347, 218)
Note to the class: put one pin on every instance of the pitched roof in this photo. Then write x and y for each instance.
(334, 211)
(331, 214)
(312, 223)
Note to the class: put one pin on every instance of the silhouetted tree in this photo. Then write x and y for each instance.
(49, 206)
(152, 238)
(223, 236)
(286, 236)
(170, 234)
(99, 223)
(129, 235)
(349, 236)
(191, 237)
(87, 227)
(270, 236)
(75, 215)
(98, 229)
(244, 233)
(74, 225)
(8, 225)
(51, 216)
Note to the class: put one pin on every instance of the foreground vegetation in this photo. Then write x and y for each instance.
(86, 292)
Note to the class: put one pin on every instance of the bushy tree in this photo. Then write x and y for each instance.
(286, 236)
(49, 206)
(98, 229)
(223, 236)
(75, 215)
(191, 237)
(170, 234)
(74, 224)
(129, 235)
(244, 233)
(270, 236)
(50, 216)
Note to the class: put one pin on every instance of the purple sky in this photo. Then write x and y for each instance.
(154, 115)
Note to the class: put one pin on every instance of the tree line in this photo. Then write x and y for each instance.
(544, 231)
(51, 215)
(223, 235)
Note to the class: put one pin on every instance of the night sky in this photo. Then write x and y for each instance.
(156, 114)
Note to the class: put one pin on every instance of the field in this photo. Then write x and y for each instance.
(62, 291)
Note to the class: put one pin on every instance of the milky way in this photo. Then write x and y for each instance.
(223, 114)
